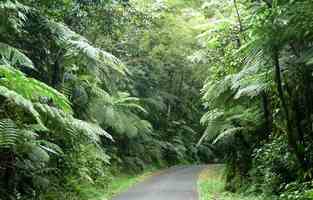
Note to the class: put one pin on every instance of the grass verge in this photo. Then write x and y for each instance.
(211, 186)
(123, 182)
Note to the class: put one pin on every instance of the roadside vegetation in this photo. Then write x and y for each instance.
(92, 89)
(258, 94)
(211, 186)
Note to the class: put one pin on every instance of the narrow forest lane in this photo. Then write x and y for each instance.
(177, 183)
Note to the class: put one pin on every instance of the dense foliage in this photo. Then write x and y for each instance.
(72, 115)
(92, 88)
(258, 94)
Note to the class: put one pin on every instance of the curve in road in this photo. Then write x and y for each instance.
(177, 183)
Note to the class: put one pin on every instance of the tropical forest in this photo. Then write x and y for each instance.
(156, 100)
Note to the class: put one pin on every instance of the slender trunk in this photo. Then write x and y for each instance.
(267, 115)
(9, 170)
(181, 84)
(169, 112)
(307, 84)
(298, 119)
(292, 140)
(239, 22)
(57, 72)
(171, 88)
(238, 16)
(307, 88)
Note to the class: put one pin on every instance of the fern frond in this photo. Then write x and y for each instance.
(21, 102)
(250, 90)
(245, 116)
(212, 130)
(50, 147)
(31, 89)
(81, 47)
(13, 15)
(144, 126)
(255, 76)
(13, 5)
(119, 112)
(214, 90)
(8, 133)
(92, 131)
(156, 103)
(212, 115)
(36, 153)
(56, 119)
(14, 57)
(227, 133)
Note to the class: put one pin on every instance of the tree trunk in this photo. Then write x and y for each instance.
(266, 103)
(57, 71)
(292, 139)
(239, 22)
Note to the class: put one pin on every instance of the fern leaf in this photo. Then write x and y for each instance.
(211, 115)
(227, 133)
(13, 15)
(20, 101)
(56, 119)
(14, 57)
(31, 89)
(80, 46)
(8, 133)
(92, 131)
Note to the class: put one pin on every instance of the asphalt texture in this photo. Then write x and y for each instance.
(177, 183)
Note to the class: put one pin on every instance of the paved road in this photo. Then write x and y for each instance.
(177, 183)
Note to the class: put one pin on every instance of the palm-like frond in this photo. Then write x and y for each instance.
(25, 142)
(227, 133)
(18, 100)
(8, 133)
(124, 100)
(12, 15)
(250, 81)
(251, 88)
(221, 123)
(214, 90)
(255, 76)
(213, 129)
(212, 115)
(119, 111)
(31, 89)
(14, 57)
(92, 131)
(56, 119)
(81, 48)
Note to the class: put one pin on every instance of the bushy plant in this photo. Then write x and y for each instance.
(273, 166)
(297, 191)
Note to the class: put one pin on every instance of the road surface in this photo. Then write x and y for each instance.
(177, 183)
